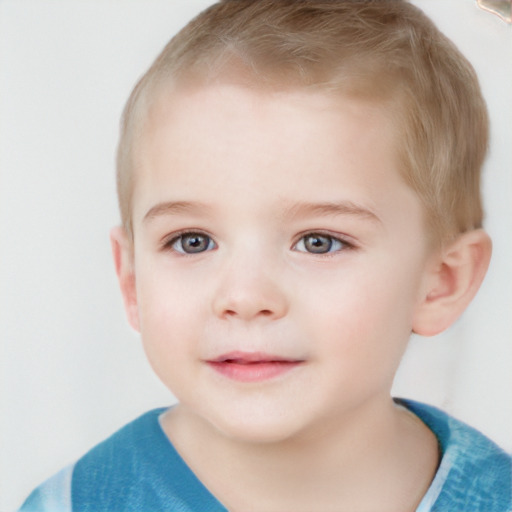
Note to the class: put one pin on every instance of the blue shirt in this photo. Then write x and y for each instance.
(138, 469)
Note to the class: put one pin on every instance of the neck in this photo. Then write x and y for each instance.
(369, 461)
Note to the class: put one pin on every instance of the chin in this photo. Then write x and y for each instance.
(256, 426)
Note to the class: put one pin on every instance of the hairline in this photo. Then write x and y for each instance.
(205, 63)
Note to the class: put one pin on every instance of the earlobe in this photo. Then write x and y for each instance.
(452, 281)
(122, 252)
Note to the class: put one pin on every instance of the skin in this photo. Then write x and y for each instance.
(253, 174)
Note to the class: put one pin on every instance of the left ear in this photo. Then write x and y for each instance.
(452, 281)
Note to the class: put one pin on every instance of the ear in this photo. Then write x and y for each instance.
(122, 251)
(452, 280)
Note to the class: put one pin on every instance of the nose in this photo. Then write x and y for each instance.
(249, 291)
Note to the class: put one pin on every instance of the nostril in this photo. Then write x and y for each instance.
(249, 304)
(263, 312)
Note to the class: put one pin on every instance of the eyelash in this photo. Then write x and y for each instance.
(341, 243)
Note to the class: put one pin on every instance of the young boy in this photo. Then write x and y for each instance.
(299, 191)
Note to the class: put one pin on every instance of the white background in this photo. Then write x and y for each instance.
(72, 371)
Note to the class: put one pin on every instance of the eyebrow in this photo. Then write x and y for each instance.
(176, 207)
(295, 210)
(330, 208)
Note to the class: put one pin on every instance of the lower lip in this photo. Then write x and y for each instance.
(254, 372)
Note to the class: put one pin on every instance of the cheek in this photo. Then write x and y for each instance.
(366, 311)
(169, 317)
(165, 297)
(359, 335)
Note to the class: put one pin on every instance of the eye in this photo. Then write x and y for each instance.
(317, 243)
(191, 243)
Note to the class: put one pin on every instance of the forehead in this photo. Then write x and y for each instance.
(226, 139)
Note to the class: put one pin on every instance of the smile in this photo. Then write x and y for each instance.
(251, 366)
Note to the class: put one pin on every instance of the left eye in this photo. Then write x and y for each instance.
(192, 243)
(317, 243)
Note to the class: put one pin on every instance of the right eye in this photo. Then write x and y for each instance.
(191, 243)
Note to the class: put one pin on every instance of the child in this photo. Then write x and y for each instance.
(299, 191)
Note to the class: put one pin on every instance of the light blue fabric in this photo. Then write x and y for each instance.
(53, 496)
(138, 469)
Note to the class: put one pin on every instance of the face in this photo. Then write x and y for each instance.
(278, 257)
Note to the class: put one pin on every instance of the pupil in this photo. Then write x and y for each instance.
(195, 243)
(318, 244)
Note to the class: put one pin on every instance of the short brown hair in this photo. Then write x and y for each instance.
(383, 49)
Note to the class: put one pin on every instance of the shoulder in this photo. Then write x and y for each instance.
(137, 468)
(474, 473)
(53, 496)
(116, 463)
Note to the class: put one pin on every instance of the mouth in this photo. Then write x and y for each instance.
(252, 366)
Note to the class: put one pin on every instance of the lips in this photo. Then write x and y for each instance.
(252, 366)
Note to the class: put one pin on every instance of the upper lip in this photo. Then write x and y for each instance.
(240, 357)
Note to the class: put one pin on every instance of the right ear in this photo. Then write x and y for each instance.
(122, 251)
